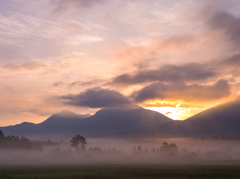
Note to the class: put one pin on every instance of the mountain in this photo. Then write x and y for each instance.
(55, 124)
(103, 124)
(60, 121)
(109, 121)
(135, 122)
(221, 120)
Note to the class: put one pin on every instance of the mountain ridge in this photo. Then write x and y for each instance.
(220, 120)
(137, 122)
(102, 124)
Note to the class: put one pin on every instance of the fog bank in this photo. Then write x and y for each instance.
(152, 151)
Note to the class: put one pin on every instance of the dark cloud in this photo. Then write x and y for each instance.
(61, 6)
(181, 91)
(168, 73)
(233, 60)
(192, 72)
(228, 23)
(228, 65)
(97, 98)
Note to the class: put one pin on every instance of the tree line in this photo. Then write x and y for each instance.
(14, 142)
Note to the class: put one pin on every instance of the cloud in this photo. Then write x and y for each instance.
(135, 42)
(161, 104)
(37, 111)
(233, 60)
(227, 23)
(86, 83)
(96, 98)
(41, 109)
(28, 66)
(227, 65)
(80, 39)
(182, 92)
(167, 73)
(63, 5)
(57, 84)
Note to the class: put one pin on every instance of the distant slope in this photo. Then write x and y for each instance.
(103, 124)
(221, 120)
(53, 125)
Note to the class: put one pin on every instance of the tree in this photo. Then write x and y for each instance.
(139, 149)
(146, 151)
(25, 143)
(134, 150)
(169, 147)
(2, 139)
(77, 140)
(1, 134)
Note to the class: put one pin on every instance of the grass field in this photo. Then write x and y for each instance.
(122, 171)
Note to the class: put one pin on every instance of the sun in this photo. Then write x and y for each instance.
(176, 111)
(171, 112)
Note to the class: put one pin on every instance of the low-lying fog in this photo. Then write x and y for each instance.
(152, 151)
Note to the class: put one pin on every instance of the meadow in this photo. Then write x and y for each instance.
(122, 171)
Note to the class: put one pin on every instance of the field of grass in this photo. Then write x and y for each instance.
(122, 171)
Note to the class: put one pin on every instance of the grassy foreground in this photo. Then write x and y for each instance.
(122, 171)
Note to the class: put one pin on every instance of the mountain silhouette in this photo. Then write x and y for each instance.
(221, 120)
(55, 124)
(104, 123)
(137, 122)
(109, 121)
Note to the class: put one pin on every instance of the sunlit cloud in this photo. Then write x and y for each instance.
(180, 91)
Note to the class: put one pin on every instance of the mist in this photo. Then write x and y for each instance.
(146, 151)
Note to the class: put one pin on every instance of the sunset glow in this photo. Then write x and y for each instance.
(174, 57)
(177, 113)
(170, 112)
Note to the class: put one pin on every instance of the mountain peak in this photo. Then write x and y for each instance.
(63, 116)
(65, 113)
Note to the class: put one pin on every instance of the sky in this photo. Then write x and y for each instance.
(177, 57)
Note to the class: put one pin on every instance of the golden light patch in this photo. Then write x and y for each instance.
(174, 110)
(158, 103)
